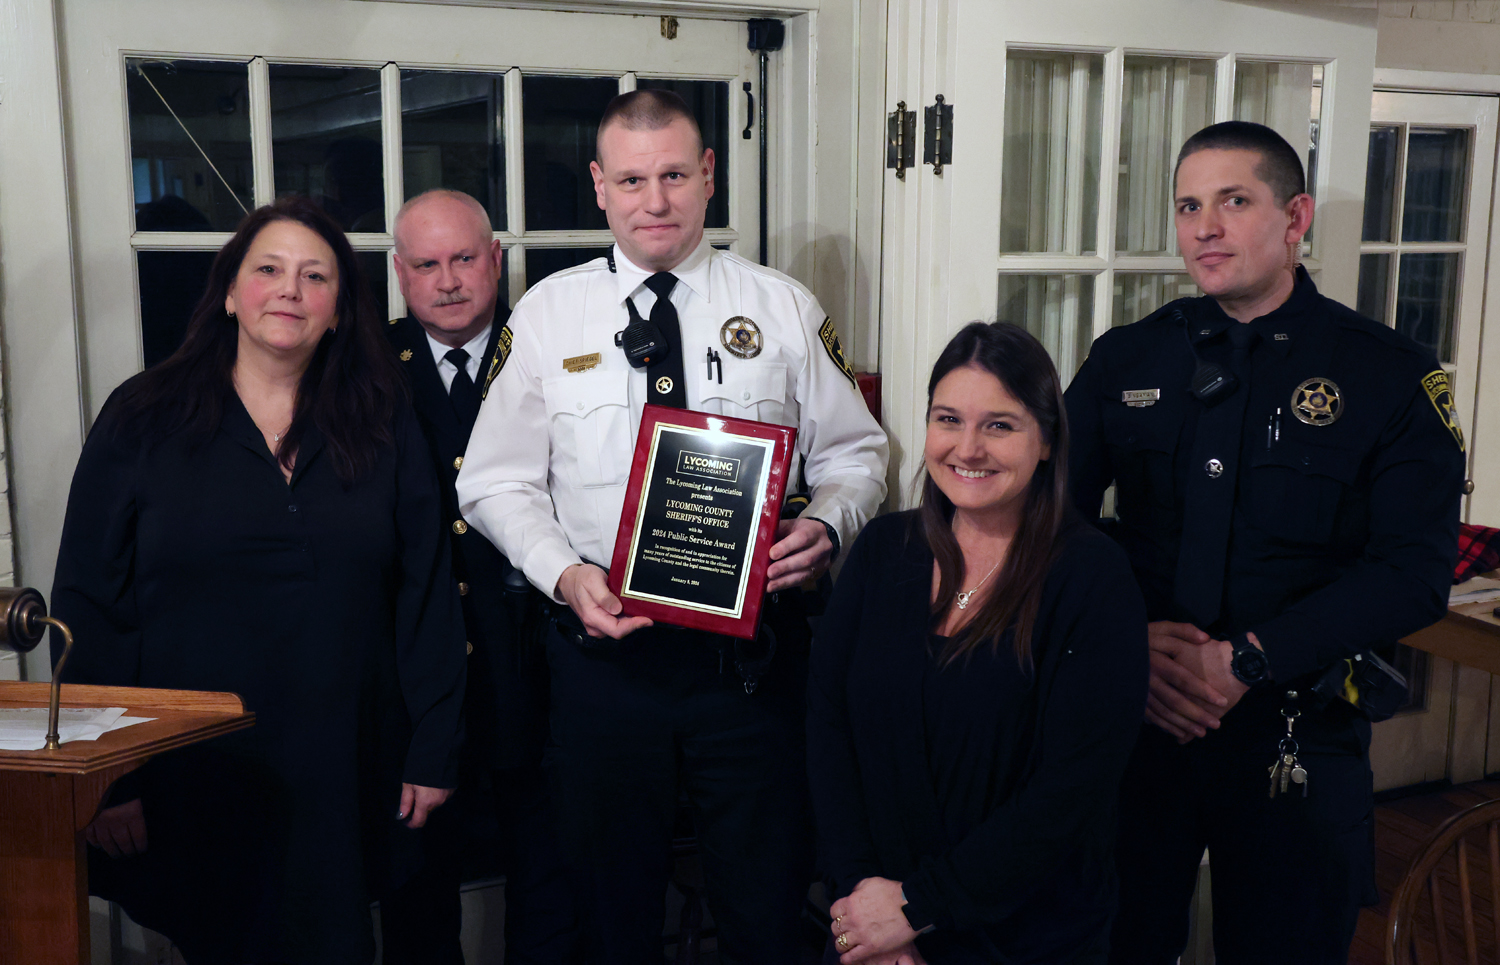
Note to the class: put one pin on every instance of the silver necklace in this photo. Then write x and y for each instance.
(275, 436)
(964, 598)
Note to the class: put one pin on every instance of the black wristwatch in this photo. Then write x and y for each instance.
(1249, 664)
(833, 536)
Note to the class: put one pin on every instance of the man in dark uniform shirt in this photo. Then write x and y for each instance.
(1299, 508)
(450, 345)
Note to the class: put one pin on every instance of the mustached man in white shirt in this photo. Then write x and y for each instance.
(642, 713)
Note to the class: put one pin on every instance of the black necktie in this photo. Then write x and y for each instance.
(1213, 477)
(664, 381)
(462, 391)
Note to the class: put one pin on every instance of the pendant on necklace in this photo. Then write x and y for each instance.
(963, 599)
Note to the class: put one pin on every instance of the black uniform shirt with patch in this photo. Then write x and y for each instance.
(1344, 534)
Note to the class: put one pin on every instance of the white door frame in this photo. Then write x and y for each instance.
(1484, 466)
(38, 302)
(1478, 116)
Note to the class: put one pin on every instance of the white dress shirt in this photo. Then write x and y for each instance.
(546, 468)
(474, 346)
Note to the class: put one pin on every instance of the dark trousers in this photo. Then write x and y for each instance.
(1289, 874)
(637, 724)
(419, 922)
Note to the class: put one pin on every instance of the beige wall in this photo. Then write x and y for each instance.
(1461, 36)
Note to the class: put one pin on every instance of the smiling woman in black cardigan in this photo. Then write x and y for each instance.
(978, 680)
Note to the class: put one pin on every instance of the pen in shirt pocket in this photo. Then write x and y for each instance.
(1273, 428)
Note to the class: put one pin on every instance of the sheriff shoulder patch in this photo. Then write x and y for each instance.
(1441, 393)
(497, 361)
(830, 339)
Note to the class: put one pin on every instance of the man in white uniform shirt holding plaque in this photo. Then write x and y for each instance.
(642, 712)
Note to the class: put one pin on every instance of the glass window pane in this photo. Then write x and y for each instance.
(1380, 184)
(1049, 182)
(561, 115)
(1288, 98)
(1426, 300)
(541, 262)
(1166, 101)
(175, 185)
(1373, 300)
(709, 102)
(453, 136)
(376, 265)
(1138, 295)
(171, 283)
(1437, 167)
(325, 140)
(1057, 309)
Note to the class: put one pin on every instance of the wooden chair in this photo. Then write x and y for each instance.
(1434, 907)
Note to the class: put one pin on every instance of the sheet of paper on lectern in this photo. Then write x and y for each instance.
(25, 728)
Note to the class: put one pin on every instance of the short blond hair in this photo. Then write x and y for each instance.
(467, 200)
(646, 110)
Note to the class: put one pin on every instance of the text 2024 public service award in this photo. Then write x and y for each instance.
(699, 519)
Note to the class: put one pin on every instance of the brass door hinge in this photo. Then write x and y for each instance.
(938, 147)
(901, 139)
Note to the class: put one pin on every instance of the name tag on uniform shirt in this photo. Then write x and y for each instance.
(1138, 398)
(582, 363)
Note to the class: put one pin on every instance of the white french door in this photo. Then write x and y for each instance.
(1425, 242)
(178, 125)
(1055, 212)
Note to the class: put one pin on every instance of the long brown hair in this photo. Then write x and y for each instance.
(1012, 355)
(351, 385)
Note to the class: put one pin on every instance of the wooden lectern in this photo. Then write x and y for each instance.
(48, 797)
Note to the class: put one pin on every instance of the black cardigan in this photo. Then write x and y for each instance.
(1016, 861)
(329, 608)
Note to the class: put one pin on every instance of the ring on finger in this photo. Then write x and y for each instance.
(843, 941)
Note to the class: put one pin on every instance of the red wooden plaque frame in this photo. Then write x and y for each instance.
(747, 624)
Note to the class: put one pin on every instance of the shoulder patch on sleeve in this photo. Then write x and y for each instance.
(1441, 393)
(497, 361)
(830, 339)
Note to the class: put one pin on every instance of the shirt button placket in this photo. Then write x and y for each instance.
(298, 523)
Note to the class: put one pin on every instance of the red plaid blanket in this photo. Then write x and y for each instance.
(1478, 551)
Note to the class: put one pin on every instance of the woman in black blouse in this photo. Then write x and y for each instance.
(977, 683)
(258, 514)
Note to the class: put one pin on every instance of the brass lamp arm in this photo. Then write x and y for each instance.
(23, 614)
(54, 739)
